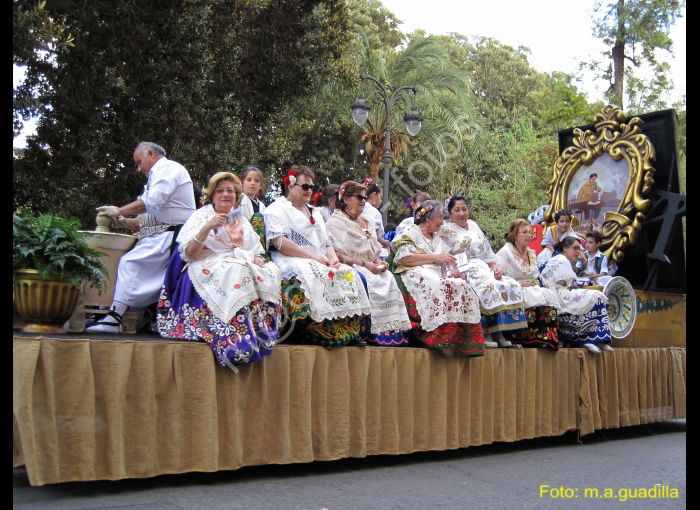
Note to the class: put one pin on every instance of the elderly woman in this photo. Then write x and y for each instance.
(355, 241)
(583, 316)
(228, 297)
(518, 261)
(444, 309)
(316, 288)
(500, 297)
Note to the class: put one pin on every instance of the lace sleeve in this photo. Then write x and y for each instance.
(275, 228)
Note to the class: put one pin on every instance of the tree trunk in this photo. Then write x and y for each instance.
(374, 171)
(618, 54)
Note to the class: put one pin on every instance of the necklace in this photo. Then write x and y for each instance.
(304, 209)
(523, 255)
(366, 231)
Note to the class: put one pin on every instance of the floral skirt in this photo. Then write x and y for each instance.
(391, 338)
(182, 314)
(297, 317)
(541, 330)
(505, 320)
(450, 339)
(590, 327)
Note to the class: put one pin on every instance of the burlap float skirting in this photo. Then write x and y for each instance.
(113, 409)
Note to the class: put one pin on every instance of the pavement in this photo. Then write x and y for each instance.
(636, 467)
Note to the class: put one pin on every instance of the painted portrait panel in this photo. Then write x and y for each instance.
(597, 188)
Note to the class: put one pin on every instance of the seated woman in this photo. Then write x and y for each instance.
(316, 288)
(560, 230)
(518, 261)
(500, 297)
(228, 297)
(444, 310)
(355, 241)
(583, 317)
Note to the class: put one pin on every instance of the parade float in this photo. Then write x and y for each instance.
(135, 406)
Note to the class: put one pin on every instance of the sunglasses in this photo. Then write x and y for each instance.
(306, 187)
(361, 198)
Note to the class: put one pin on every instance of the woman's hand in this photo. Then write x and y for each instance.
(497, 273)
(216, 221)
(445, 258)
(374, 267)
(321, 259)
(526, 283)
(258, 261)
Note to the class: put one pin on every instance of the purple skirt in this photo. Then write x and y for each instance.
(184, 315)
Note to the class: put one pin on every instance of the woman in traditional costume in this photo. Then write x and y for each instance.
(443, 309)
(354, 238)
(583, 316)
(316, 288)
(518, 261)
(500, 297)
(561, 229)
(217, 287)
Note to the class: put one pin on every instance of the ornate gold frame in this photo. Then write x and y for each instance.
(618, 140)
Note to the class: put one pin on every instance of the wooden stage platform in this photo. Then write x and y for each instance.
(135, 407)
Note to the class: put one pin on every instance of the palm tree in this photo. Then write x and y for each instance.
(443, 98)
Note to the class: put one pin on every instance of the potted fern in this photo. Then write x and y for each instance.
(50, 260)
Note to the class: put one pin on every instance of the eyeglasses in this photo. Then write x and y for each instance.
(224, 190)
(361, 198)
(306, 187)
(576, 248)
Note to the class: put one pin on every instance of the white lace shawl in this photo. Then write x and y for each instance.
(217, 240)
(282, 219)
(351, 239)
(512, 266)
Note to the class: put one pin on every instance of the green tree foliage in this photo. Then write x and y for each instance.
(443, 98)
(634, 30)
(507, 167)
(205, 79)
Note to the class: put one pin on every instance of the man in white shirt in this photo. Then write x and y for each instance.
(166, 203)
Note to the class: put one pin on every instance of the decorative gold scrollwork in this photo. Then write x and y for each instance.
(627, 146)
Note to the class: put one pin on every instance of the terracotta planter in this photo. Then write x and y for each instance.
(45, 305)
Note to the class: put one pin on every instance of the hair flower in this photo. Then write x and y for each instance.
(291, 178)
(424, 210)
(341, 190)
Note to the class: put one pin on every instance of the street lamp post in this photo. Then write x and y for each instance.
(360, 111)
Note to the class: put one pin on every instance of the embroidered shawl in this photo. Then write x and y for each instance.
(349, 238)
